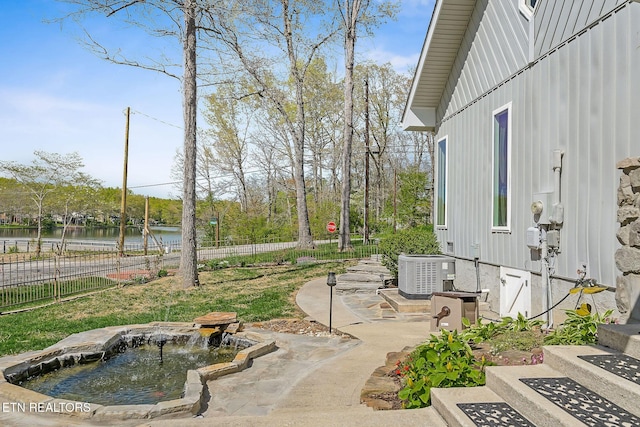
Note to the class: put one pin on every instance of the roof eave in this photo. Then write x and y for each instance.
(419, 119)
(419, 113)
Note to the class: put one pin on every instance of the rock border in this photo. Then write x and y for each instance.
(97, 343)
(627, 257)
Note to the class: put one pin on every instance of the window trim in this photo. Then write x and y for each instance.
(444, 225)
(525, 8)
(508, 108)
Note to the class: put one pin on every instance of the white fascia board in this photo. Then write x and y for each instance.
(423, 56)
(419, 119)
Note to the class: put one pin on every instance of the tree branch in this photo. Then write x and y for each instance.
(102, 52)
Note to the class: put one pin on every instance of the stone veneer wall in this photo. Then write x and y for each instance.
(628, 256)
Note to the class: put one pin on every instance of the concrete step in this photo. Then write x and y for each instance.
(446, 400)
(619, 390)
(505, 382)
(624, 338)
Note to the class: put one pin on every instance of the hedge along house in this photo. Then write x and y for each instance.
(535, 106)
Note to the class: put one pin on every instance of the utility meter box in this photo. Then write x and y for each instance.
(542, 201)
(448, 309)
(533, 238)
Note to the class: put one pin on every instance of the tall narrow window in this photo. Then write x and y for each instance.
(501, 168)
(441, 213)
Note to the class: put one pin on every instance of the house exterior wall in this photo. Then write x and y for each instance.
(482, 63)
(581, 98)
(557, 21)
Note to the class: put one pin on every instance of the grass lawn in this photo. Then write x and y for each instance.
(255, 293)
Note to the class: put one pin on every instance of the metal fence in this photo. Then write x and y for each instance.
(25, 280)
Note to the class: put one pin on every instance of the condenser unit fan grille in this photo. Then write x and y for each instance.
(419, 276)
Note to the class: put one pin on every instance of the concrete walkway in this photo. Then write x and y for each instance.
(317, 381)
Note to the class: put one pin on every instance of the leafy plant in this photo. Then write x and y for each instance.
(411, 241)
(442, 362)
(578, 329)
(484, 332)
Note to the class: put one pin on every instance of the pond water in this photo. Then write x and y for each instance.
(135, 377)
(132, 235)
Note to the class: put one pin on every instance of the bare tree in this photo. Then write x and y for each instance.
(73, 200)
(181, 16)
(260, 35)
(230, 120)
(367, 13)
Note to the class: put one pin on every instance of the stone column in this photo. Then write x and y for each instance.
(628, 256)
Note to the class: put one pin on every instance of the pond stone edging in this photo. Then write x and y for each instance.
(98, 343)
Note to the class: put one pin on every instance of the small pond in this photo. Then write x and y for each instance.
(135, 376)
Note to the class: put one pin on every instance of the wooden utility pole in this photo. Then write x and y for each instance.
(145, 232)
(395, 198)
(123, 204)
(365, 228)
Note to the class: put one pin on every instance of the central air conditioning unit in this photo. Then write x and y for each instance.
(419, 276)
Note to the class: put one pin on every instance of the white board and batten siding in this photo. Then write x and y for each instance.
(580, 94)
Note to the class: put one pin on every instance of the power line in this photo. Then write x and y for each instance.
(156, 119)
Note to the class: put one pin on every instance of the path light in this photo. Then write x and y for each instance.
(331, 282)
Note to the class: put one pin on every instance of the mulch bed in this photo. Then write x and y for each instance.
(298, 327)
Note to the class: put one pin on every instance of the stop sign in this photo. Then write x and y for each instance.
(331, 227)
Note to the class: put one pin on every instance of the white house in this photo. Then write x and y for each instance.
(533, 104)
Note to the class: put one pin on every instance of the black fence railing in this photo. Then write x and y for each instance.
(25, 280)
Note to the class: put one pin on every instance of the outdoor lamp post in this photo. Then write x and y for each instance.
(331, 282)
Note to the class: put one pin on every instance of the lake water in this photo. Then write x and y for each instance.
(111, 235)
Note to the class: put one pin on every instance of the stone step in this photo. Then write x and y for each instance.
(458, 405)
(359, 277)
(370, 269)
(623, 392)
(624, 338)
(505, 382)
(357, 287)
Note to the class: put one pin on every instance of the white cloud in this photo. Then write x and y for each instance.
(400, 63)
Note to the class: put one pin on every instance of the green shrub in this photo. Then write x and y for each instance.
(442, 362)
(578, 329)
(163, 273)
(411, 241)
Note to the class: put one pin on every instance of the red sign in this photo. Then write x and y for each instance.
(331, 227)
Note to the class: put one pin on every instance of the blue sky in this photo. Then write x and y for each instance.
(57, 96)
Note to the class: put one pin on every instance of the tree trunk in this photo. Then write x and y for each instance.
(39, 236)
(305, 239)
(344, 236)
(189, 255)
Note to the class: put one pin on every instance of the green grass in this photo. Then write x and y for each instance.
(12, 298)
(255, 293)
